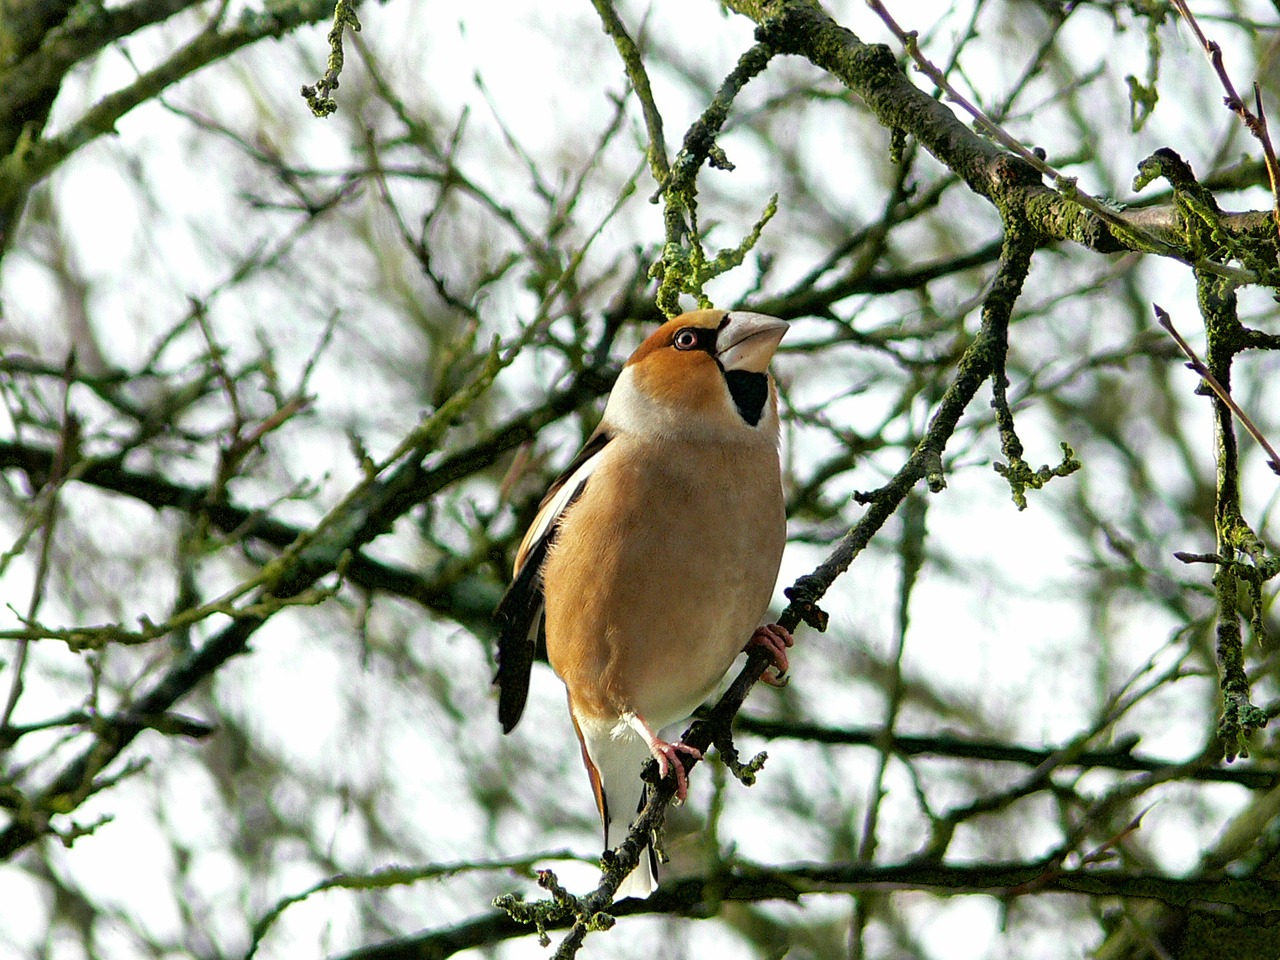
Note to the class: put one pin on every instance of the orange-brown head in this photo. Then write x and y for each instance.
(701, 374)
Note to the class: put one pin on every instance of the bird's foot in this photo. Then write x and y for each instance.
(667, 754)
(668, 757)
(775, 639)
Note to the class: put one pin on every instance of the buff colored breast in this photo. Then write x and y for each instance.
(646, 610)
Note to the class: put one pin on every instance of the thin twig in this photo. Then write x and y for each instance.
(1219, 391)
(1255, 123)
(317, 96)
(47, 503)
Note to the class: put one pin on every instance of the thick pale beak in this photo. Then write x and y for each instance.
(749, 341)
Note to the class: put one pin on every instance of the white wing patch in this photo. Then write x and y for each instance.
(555, 505)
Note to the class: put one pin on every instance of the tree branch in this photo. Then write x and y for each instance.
(40, 73)
(31, 160)
(366, 513)
(1117, 757)
(796, 27)
(701, 896)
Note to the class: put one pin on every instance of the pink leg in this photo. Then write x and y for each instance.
(667, 754)
(775, 639)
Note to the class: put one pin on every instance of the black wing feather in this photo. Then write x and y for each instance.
(519, 618)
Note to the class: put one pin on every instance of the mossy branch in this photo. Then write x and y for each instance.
(684, 267)
(1202, 226)
(687, 269)
(1022, 478)
(1240, 719)
(1254, 122)
(318, 97)
(872, 72)
(997, 310)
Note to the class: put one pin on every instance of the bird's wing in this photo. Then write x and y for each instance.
(519, 615)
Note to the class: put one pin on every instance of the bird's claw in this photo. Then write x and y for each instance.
(668, 757)
(775, 639)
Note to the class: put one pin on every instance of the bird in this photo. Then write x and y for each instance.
(651, 561)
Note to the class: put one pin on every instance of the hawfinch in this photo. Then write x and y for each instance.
(653, 557)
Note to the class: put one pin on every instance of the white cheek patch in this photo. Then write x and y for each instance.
(629, 411)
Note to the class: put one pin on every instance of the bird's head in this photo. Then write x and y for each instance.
(703, 373)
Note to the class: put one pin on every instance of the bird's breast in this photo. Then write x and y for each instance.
(659, 574)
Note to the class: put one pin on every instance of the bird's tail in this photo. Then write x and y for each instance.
(614, 764)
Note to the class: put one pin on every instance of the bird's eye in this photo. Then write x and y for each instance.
(686, 339)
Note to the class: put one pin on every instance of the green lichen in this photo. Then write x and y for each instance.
(1143, 94)
(1204, 236)
(318, 97)
(1021, 477)
(686, 269)
(1240, 719)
